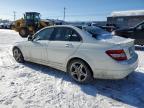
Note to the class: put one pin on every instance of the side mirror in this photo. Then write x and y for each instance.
(30, 38)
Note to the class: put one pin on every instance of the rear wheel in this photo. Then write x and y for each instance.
(80, 71)
(17, 54)
(12, 27)
(23, 32)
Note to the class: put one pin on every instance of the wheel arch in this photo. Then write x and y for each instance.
(78, 58)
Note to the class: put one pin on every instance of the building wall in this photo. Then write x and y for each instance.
(98, 23)
(4, 21)
(125, 21)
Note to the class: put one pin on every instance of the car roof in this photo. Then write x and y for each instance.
(82, 33)
(32, 13)
(69, 26)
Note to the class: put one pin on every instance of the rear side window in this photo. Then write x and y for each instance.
(60, 34)
(75, 36)
(65, 34)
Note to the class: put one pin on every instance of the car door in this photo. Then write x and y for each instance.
(128, 33)
(139, 34)
(38, 46)
(64, 43)
(139, 31)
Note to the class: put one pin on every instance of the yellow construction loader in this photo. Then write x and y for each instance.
(30, 24)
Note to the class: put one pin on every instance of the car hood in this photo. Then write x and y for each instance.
(20, 43)
(126, 29)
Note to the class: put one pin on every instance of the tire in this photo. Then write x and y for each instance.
(80, 71)
(12, 27)
(17, 54)
(23, 32)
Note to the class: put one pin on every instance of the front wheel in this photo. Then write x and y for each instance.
(80, 71)
(17, 54)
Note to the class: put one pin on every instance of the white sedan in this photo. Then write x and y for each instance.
(85, 53)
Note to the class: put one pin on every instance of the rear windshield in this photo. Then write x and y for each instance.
(97, 32)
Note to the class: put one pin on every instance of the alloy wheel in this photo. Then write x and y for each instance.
(78, 72)
(18, 55)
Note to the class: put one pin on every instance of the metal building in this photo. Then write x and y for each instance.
(125, 19)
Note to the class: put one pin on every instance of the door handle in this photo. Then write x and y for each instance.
(68, 45)
(130, 31)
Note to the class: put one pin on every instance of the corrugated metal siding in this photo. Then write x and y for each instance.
(125, 21)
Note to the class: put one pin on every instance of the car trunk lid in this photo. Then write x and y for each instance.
(126, 44)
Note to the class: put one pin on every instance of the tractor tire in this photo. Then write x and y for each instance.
(12, 27)
(23, 32)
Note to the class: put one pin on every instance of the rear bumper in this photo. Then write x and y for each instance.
(125, 68)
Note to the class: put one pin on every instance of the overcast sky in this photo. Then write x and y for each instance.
(76, 10)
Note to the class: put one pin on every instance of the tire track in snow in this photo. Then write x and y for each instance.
(141, 59)
(6, 58)
(31, 86)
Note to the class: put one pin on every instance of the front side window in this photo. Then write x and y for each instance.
(28, 17)
(65, 34)
(45, 34)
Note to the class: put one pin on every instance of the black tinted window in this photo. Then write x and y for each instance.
(45, 34)
(60, 34)
(140, 27)
(97, 32)
(65, 34)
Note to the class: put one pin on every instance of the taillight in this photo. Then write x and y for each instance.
(118, 55)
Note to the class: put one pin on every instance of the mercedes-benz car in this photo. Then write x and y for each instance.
(86, 53)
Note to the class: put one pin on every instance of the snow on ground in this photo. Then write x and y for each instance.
(35, 86)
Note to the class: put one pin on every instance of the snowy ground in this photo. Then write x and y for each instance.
(34, 86)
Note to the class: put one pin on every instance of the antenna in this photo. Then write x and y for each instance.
(64, 13)
(14, 12)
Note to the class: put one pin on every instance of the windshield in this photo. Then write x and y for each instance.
(32, 16)
(37, 17)
(137, 25)
(97, 32)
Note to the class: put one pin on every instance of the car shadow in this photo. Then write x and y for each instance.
(139, 48)
(129, 90)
